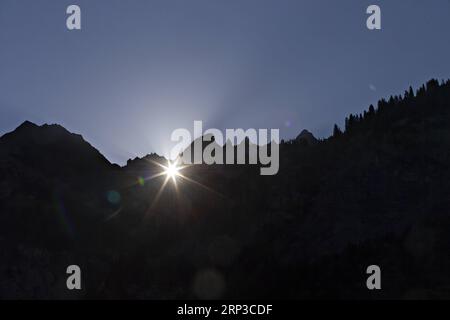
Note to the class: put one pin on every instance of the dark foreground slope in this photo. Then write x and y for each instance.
(377, 192)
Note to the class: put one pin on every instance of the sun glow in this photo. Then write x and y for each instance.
(172, 170)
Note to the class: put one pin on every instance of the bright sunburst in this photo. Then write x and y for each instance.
(172, 170)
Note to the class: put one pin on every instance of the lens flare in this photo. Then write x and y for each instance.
(172, 170)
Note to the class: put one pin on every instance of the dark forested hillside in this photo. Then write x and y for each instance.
(375, 192)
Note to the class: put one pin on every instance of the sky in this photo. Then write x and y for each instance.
(137, 70)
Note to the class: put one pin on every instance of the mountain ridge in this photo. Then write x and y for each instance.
(375, 192)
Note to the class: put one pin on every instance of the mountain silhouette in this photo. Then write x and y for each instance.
(52, 150)
(306, 137)
(375, 192)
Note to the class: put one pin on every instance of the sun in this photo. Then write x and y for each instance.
(172, 170)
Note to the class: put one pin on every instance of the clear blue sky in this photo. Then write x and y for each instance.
(139, 69)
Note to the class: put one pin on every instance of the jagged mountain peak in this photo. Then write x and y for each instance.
(307, 137)
(51, 146)
(42, 134)
(26, 125)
